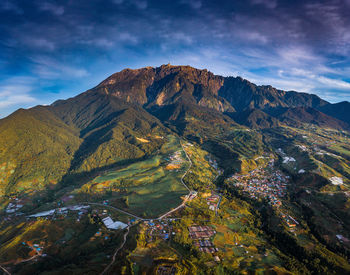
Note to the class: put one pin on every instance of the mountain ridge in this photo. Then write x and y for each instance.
(148, 84)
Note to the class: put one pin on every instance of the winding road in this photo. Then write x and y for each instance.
(116, 251)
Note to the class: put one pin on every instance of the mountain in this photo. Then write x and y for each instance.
(168, 84)
(106, 124)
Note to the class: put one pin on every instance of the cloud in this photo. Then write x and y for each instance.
(334, 83)
(16, 91)
(194, 4)
(140, 4)
(178, 37)
(41, 43)
(48, 68)
(51, 7)
(271, 4)
(99, 42)
(7, 5)
(128, 37)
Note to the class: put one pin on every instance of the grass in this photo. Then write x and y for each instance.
(146, 188)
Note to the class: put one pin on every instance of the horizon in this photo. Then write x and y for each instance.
(54, 50)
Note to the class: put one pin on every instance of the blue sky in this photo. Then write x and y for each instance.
(53, 50)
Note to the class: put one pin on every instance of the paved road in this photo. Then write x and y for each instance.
(175, 209)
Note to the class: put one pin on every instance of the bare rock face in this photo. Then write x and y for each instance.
(168, 84)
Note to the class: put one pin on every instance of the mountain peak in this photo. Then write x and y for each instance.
(167, 84)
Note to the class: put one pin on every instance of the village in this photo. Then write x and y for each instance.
(158, 230)
(267, 183)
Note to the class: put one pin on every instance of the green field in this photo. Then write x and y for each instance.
(147, 188)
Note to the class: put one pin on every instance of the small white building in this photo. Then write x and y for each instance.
(110, 224)
(336, 180)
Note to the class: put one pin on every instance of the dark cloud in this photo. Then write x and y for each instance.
(69, 44)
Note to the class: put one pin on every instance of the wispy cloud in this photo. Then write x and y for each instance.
(140, 4)
(51, 7)
(8, 5)
(16, 92)
(271, 4)
(48, 68)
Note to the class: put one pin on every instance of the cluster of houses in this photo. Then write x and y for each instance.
(286, 159)
(213, 163)
(158, 229)
(213, 201)
(262, 183)
(201, 236)
(336, 180)
(99, 234)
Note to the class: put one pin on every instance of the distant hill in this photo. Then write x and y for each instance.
(295, 116)
(243, 95)
(339, 110)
